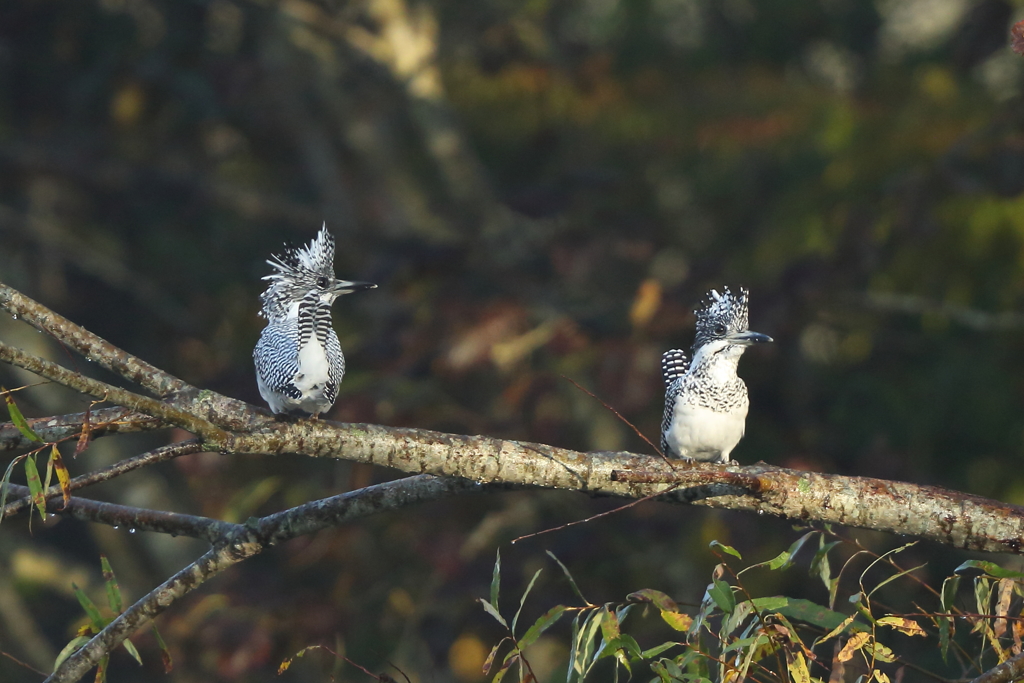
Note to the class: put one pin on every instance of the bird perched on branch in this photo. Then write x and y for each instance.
(299, 363)
(705, 400)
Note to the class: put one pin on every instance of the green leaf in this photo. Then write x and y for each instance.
(990, 568)
(677, 620)
(946, 627)
(70, 649)
(489, 608)
(949, 590)
(522, 600)
(113, 590)
(496, 579)
(816, 615)
(820, 564)
(128, 645)
(35, 485)
(489, 662)
(546, 621)
(4, 482)
(165, 654)
(609, 625)
(572, 581)
(894, 577)
(721, 593)
(95, 618)
(101, 669)
(18, 419)
(656, 598)
(725, 549)
(770, 604)
(734, 620)
(657, 650)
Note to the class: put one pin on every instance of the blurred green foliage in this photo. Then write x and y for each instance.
(540, 189)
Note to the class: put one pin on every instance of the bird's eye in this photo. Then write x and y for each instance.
(321, 282)
(720, 329)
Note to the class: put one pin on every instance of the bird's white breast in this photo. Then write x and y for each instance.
(701, 433)
(313, 367)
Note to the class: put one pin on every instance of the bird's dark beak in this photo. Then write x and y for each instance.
(748, 338)
(347, 287)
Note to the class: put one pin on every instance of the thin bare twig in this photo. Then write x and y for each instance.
(161, 454)
(57, 428)
(136, 519)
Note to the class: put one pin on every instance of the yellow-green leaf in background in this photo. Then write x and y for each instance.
(63, 476)
(677, 620)
(35, 485)
(903, 625)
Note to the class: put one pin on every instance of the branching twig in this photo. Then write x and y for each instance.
(102, 422)
(161, 454)
(251, 539)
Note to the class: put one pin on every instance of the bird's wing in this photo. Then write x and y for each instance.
(674, 365)
(277, 360)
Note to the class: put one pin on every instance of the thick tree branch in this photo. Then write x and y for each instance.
(251, 539)
(91, 346)
(1010, 670)
(949, 517)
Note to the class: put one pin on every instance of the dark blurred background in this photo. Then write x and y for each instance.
(542, 190)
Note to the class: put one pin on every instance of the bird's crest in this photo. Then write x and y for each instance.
(299, 270)
(720, 315)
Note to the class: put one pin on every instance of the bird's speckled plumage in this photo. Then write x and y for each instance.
(299, 363)
(706, 402)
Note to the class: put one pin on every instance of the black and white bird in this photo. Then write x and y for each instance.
(705, 400)
(299, 363)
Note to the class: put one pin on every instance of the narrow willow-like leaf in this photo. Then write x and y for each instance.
(128, 645)
(63, 476)
(95, 618)
(113, 590)
(656, 598)
(70, 649)
(677, 620)
(721, 593)
(522, 600)
(18, 419)
(489, 608)
(496, 578)
(5, 481)
(35, 485)
(990, 568)
(657, 650)
(546, 621)
(489, 662)
(725, 549)
(572, 581)
(165, 654)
